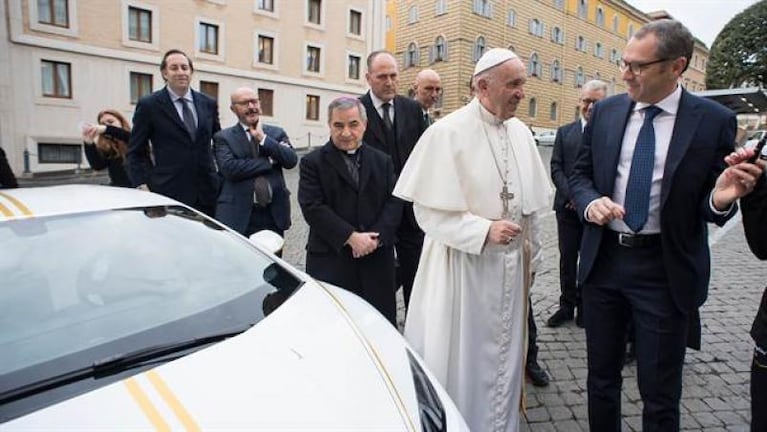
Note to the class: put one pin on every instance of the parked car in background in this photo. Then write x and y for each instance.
(545, 138)
(754, 137)
(124, 309)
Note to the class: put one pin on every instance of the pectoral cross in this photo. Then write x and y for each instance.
(506, 196)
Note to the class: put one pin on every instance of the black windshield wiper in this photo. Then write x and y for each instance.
(119, 363)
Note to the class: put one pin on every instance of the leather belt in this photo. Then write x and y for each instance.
(634, 240)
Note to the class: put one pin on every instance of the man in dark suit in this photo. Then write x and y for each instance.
(427, 89)
(345, 193)
(7, 179)
(180, 123)
(250, 156)
(646, 182)
(394, 125)
(569, 226)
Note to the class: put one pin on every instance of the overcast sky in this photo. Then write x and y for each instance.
(704, 18)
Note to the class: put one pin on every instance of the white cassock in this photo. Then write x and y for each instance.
(467, 315)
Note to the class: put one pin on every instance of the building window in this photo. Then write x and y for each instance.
(534, 66)
(313, 59)
(411, 56)
(266, 5)
(57, 80)
(312, 107)
(59, 153)
(479, 48)
(140, 86)
(266, 97)
(553, 111)
(314, 13)
(580, 44)
(577, 113)
(388, 23)
(209, 88)
(265, 49)
(53, 12)
(208, 38)
(536, 27)
(440, 52)
(557, 35)
(441, 7)
(580, 79)
(631, 31)
(511, 18)
(139, 24)
(533, 107)
(412, 14)
(559, 4)
(556, 71)
(600, 17)
(355, 22)
(583, 9)
(598, 50)
(615, 23)
(614, 55)
(354, 67)
(597, 76)
(483, 7)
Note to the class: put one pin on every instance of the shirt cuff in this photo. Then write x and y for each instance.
(714, 210)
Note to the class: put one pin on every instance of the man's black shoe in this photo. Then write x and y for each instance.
(560, 317)
(537, 375)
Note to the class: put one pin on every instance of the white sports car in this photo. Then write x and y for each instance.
(123, 309)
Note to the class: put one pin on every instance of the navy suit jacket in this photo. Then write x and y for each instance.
(566, 145)
(183, 168)
(239, 168)
(704, 133)
(408, 126)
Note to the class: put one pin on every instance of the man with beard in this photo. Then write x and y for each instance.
(250, 156)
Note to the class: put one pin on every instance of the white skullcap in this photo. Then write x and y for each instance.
(493, 57)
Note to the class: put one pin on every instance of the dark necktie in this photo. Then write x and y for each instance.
(188, 117)
(637, 201)
(386, 116)
(426, 120)
(352, 164)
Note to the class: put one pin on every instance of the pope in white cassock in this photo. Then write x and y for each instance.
(478, 186)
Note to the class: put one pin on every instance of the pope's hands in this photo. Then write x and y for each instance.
(502, 232)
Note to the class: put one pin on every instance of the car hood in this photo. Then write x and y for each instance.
(305, 366)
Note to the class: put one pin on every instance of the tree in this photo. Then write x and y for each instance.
(738, 56)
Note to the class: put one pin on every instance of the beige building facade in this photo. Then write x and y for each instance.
(62, 61)
(564, 43)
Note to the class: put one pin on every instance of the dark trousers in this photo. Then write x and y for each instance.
(628, 283)
(532, 335)
(759, 392)
(569, 232)
(261, 219)
(409, 245)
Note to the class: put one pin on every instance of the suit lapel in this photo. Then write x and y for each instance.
(244, 148)
(687, 118)
(375, 123)
(618, 116)
(335, 159)
(169, 108)
(365, 165)
(201, 109)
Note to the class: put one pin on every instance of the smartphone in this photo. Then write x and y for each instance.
(758, 149)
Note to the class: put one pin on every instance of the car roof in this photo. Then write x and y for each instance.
(73, 199)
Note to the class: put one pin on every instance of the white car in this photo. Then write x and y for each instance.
(546, 138)
(754, 138)
(123, 309)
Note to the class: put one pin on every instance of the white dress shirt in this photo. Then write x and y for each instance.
(179, 108)
(377, 104)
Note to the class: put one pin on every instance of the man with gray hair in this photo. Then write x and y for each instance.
(345, 193)
(478, 188)
(569, 226)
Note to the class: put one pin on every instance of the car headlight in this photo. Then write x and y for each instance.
(430, 408)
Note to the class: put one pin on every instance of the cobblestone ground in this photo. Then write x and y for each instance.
(715, 393)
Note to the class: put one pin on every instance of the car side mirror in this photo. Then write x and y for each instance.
(268, 240)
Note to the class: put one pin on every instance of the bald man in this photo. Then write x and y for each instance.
(428, 89)
(250, 157)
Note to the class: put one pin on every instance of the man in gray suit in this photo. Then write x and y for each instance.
(569, 226)
(250, 157)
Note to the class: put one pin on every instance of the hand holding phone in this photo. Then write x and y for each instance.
(758, 149)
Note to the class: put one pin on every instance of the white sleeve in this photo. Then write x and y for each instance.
(536, 241)
(459, 230)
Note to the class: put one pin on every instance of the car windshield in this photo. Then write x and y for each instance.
(757, 135)
(81, 288)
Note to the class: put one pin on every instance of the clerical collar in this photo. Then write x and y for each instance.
(486, 115)
(351, 152)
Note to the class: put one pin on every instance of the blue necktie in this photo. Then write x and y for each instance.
(637, 201)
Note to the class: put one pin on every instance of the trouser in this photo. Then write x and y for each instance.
(569, 233)
(759, 391)
(532, 335)
(633, 280)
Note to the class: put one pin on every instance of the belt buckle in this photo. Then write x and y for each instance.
(625, 240)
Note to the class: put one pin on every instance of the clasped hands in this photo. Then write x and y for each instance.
(363, 243)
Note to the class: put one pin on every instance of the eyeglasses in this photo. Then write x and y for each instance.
(636, 67)
(247, 102)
